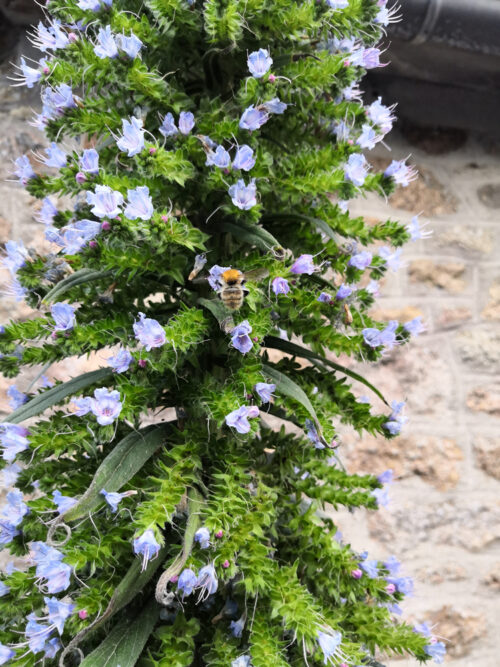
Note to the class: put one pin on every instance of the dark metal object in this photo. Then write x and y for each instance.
(444, 64)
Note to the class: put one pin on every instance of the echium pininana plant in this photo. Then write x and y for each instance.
(193, 146)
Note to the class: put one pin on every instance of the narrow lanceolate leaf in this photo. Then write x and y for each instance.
(299, 351)
(57, 394)
(126, 459)
(252, 234)
(123, 646)
(219, 311)
(290, 388)
(78, 278)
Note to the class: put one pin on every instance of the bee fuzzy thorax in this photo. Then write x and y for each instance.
(232, 277)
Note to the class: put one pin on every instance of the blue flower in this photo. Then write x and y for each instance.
(24, 170)
(341, 130)
(7, 533)
(372, 288)
(253, 118)
(337, 4)
(381, 497)
(55, 156)
(392, 259)
(244, 158)
(417, 231)
(423, 629)
(64, 503)
(186, 122)
(76, 237)
(241, 661)
(52, 646)
(16, 255)
(370, 567)
(106, 46)
(121, 361)
(274, 106)
(304, 264)
(91, 5)
(360, 260)
(113, 498)
(207, 581)
(29, 75)
(202, 536)
(64, 316)
(240, 338)
(403, 585)
(259, 62)
(243, 196)
(395, 421)
(106, 406)
(59, 612)
(356, 169)
(265, 391)
(168, 127)
(186, 582)
(56, 101)
(47, 212)
(146, 546)
(324, 297)
(401, 173)
(236, 627)
(13, 440)
(36, 634)
(140, 204)
(368, 137)
(386, 477)
(313, 435)
(4, 589)
(343, 292)
(132, 140)
(414, 327)
(17, 398)
(238, 419)
(89, 161)
(149, 332)
(105, 202)
(381, 115)
(330, 643)
(129, 45)
(15, 509)
(280, 285)
(51, 37)
(10, 474)
(370, 58)
(215, 274)
(218, 158)
(50, 566)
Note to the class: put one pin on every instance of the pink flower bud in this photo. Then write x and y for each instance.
(152, 150)
(72, 37)
(46, 70)
(174, 579)
(225, 564)
(219, 534)
(82, 614)
(92, 244)
(272, 78)
(80, 177)
(105, 226)
(255, 339)
(164, 218)
(142, 363)
(390, 588)
(356, 574)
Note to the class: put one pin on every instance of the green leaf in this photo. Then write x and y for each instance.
(291, 389)
(126, 459)
(124, 644)
(299, 351)
(252, 234)
(77, 278)
(218, 310)
(56, 395)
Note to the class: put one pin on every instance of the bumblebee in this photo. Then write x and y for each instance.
(233, 291)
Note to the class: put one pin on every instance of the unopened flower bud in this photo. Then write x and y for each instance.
(219, 534)
(92, 244)
(356, 574)
(272, 78)
(80, 177)
(82, 614)
(164, 218)
(152, 150)
(174, 579)
(105, 226)
(72, 37)
(142, 363)
(225, 564)
(390, 588)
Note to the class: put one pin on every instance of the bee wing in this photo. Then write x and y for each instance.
(256, 275)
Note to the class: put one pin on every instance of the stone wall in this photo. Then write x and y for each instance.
(444, 518)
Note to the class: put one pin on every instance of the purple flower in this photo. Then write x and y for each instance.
(106, 45)
(186, 582)
(253, 118)
(140, 204)
(47, 212)
(168, 128)
(149, 332)
(386, 477)
(202, 536)
(259, 62)
(368, 137)
(238, 419)
(403, 585)
(341, 130)
(392, 259)
(313, 435)
(6, 654)
(106, 406)
(243, 196)
(52, 646)
(401, 173)
(146, 546)
(415, 326)
(207, 581)
(17, 398)
(371, 58)
(113, 498)
(132, 140)
(24, 170)
(15, 257)
(58, 613)
(7, 533)
(13, 440)
(244, 158)
(265, 391)
(50, 37)
(241, 661)
(55, 156)
(240, 338)
(274, 106)
(381, 115)
(304, 264)
(416, 231)
(236, 627)
(129, 45)
(423, 629)
(186, 122)
(352, 92)
(337, 4)
(76, 237)
(356, 169)
(64, 316)
(396, 421)
(437, 651)
(121, 361)
(218, 158)
(324, 297)
(343, 292)
(57, 574)
(15, 509)
(89, 161)
(56, 101)
(64, 503)
(280, 285)
(214, 275)
(36, 634)
(29, 75)
(330, 643)
(10, 474)
(91, 5)
(360, 260)
(370, 567)
(106, 202)
(381, 497)
(83, 405)
(372, 288)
